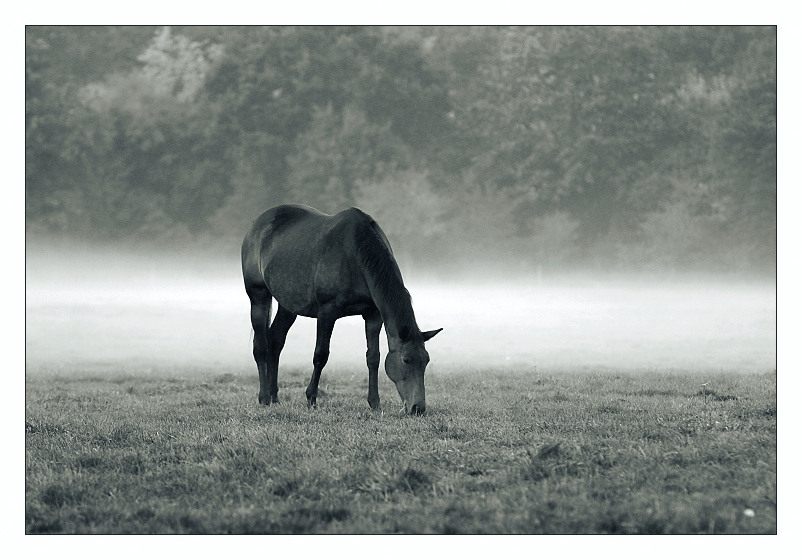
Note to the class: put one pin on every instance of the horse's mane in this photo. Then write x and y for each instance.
(382, 273)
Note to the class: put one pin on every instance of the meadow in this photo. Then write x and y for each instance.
(498, 452)
(564, 408)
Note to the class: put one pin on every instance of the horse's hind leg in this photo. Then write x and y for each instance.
(276, 336)
(261, 300)
(325, 326)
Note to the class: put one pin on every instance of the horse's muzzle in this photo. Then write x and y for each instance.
(417, 410)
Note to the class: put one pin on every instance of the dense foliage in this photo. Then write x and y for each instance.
(610, 147)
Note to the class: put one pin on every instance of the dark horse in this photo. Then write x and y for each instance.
(327, 267)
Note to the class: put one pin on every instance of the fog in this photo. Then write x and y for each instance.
(126, 312)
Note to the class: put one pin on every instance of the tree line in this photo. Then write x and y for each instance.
(647, 147)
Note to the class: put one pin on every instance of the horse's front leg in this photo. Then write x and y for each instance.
(325, 326)
(373, 326)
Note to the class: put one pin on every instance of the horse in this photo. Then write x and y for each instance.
(326, 267)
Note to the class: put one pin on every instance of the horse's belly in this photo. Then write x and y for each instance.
(298, 306)
(342, 305)
(293, 293)
(304, 296)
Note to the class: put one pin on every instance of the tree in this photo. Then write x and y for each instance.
(339, 151)
(163, 152)
(549, 143)
(407, 208)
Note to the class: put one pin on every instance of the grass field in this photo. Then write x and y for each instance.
(560, 407)
(500, 451)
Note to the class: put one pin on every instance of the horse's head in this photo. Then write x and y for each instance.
(405, 365)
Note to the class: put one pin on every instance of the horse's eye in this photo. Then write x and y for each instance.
(407, 360)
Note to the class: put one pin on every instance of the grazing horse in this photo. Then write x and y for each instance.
(327, 267)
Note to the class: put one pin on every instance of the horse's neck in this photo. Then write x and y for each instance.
(394, 303)
(396, 312)
(384, 280)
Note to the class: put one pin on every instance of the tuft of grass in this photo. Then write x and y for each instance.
(553, 460)
(58, 495)
(414, 480)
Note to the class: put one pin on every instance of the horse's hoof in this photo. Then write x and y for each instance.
(311, 403)
(374, 404)
(267, 401)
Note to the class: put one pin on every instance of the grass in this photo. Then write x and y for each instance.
(499, 451)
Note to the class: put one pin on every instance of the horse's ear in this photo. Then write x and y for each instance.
(429, 334)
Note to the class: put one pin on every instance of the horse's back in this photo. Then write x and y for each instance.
(301, 222)
(280, 217)
(298, 253)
